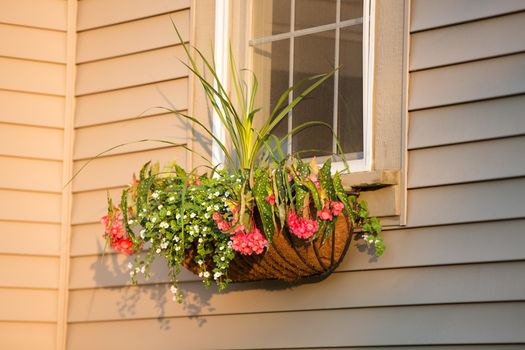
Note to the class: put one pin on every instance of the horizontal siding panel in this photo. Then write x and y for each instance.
(87, 239)
(97, 13)
(118, 170)
(138, 69)
(163, 127)
(28, 336)
(31, 109)
(454, 284)
(467, 122)
(476, 161)
(110, 270)
(30, 76)
(30, 206)
(51, 14)
(420, 325)
(20, 174)
(30, 141)
(495, 242)
(32, 43)
(28, 305)
(89, 207)
(432, 347)
(28, 271)
(468, 82)
(131, 103)
(427, 14)
(503, 199)
(29, 238)
(131, 37)
(467, 42)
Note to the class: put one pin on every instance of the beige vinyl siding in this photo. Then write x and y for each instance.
(127, 66)
(32, 89)
(451, 279)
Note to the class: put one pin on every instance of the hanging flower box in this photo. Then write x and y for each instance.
(264, 216)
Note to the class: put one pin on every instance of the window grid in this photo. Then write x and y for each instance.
(291, 35)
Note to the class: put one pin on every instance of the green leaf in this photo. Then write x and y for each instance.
(260, 192)
(325, 179)
(341, 194)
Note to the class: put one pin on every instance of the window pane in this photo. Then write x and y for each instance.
(271, 62)
(350, 101)
(271, 17)
(351, 9)
(313, 13)
(314, 54)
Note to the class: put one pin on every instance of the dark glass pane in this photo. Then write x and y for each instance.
(313, 13)
(350, 113)
(271, 17)
(351, 9)
(271, 63)
(314, 54)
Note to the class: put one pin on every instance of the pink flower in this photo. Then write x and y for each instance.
(325, 214)
(248, 243)
(337, 208)
(301, 227)
(315, 180)
(115, 232)
(270, 199)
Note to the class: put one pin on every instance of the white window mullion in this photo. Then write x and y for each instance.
(290, 73)
(336, 76)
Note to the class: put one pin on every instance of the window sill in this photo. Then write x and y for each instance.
(381, 190)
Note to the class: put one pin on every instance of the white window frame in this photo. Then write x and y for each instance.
(222, 37)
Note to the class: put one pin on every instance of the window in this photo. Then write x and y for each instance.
(384, 88)
(292, 40)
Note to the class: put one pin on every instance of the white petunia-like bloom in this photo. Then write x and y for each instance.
(177, 216)
(206, 274)
(155, 195)
(157, 251)
(216, 207)
(153, 219)
(143, 269)
(130, 222)
(164, 245)
(177, 248)
(200, 262)
(192, 215)
(216, 275)
(173, 289)
(130, 266)
(222, 258)
(168, 213)
(221, 247)
(160, 207)
(142, 233)
(208, 209)
(210, 196)
(200, 240)
(207, 216)
(171, 199)
(216, 194)
(226, 194)
(204, 229)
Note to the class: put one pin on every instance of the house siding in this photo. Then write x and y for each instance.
(453, 278)
(32, 90)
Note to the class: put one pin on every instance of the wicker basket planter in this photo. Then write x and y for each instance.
(289, 258)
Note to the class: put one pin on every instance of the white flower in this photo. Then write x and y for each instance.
(210, 196)
(204, 229)
(185, 217)
(196, 228)
(153, 219)
(226, 194)
(207, 216)
(171, 199)
(155, 195)
(238, 180)
(137, 269)
(160, 207)
(222, 258)
(177, 216)
(176, 239)
(130, 266)
(230, 243)
(216, 194)
(173, 289)
(200, 240)
(177, 248)
(208, 209)
(132, 272)
(164, 224)
(164, 245)
(142, 234)
(200, 274)
(168, 213)
(157, 251)
(192, 215)
(143, 269)
(216, 207)
(206, 274)
(221, 247)
(130, 222)
(200, 262)
(216, 275)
